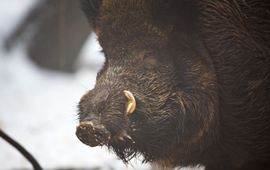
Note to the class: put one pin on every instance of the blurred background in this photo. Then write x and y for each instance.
(48, 59)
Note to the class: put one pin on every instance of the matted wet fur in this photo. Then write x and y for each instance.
(199, 71)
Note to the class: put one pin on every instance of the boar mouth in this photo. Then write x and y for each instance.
(93, 132)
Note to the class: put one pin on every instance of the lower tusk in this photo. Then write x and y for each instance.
(131, 106)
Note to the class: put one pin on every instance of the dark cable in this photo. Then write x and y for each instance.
(22, 150)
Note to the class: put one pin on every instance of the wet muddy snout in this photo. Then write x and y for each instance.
(93, 133)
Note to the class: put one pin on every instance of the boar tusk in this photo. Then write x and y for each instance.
(131, 106)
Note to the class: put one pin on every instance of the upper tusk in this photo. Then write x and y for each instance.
(131, 106)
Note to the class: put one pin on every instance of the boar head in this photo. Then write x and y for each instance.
(156, 93)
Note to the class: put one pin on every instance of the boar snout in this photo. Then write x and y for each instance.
(104, 117)
(93, 133)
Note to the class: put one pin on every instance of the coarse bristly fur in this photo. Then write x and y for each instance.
(200, 73)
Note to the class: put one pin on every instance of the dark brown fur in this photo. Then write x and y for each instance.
(199, 71)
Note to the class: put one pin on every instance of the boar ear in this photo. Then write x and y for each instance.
(91, 9)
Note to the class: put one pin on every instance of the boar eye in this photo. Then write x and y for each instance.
(149, 60)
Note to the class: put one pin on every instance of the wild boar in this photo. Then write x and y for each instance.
(185, 82)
